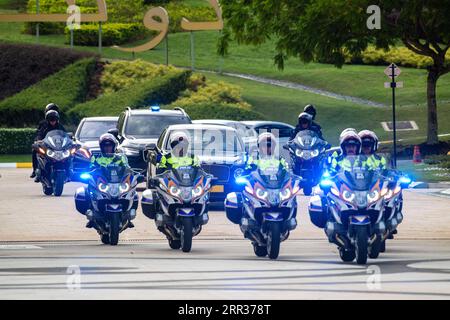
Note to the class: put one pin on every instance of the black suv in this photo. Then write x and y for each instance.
(138, 128)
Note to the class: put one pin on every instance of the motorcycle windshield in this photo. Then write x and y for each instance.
(57, 140)
(307, 140)
(185, 176)
(272, 177)
(113, 173)
(356, 173)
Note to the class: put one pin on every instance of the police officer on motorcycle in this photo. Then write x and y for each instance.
(267, 157)
(178, 157)
(369, 148)
(306, 122)
(350, 144)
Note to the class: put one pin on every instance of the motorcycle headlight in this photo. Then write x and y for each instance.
(373, 196)
(174, 191)
(314, 153)
(262, 194)
(197, 191)
(348, 196)
(285, 194)
(299, 153)
(124, 187)
(66, 154)
(103, 187)
(335, 191)
(50, 153)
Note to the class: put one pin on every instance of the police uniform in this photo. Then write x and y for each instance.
(376, 162)
(171, 162)
(102, 161)
(266, 162)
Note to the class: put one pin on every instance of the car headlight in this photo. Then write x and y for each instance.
(373, 196)
(262, 194)
(285, 194)
(124, 187)
(197, 191)
(348, 196)
(299, 153)
(103, 187)
(131, 151)
(174, 191)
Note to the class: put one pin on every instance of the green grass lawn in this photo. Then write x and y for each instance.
(8, 158)
(425, 172)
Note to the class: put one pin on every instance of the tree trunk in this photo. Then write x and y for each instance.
(432, 131)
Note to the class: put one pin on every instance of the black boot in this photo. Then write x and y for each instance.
(90, 224)
(130, 225)
(33, 174)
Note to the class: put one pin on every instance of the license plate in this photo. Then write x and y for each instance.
(217, 189)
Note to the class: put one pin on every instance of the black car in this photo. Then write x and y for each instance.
(219, 148)
(138, 128)
(88, 132)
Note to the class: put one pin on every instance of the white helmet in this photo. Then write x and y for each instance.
(368, 136)
(349, 137)
(347, 130)
(105, 140)
(267, 141)
(179, 143)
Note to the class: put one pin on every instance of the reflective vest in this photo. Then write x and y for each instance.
(376, 162)
(172, 162)
(103, 161)
(264, 163)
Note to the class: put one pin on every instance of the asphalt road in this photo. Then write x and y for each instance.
(46, 253)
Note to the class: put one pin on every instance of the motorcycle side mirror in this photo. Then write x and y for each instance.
(114, 132)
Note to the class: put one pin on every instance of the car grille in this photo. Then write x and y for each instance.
(222, 173)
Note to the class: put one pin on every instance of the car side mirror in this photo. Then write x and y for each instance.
(114, 132)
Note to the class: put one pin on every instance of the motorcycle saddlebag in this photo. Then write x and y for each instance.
(149, 203)
(233, 207)
(318, 217)
(81, 201)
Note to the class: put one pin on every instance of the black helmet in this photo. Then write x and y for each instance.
(105, 140)
(52, 115)
(310, 109)
(305, 118)
(51, 106)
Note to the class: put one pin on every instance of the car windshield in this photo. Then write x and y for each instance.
(92, 130)
(212, 142)
(150, 126)
(278, 131)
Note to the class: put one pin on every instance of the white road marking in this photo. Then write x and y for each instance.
(18, 247)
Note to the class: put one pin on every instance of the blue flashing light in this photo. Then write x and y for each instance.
(326, 174)
(85, 176)
(326, 183)
(241, 180)
(155, 108)
(405, 180)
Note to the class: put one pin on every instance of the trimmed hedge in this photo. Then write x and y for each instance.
(23, 65)
(178, 10)
(65, 88)
(163, 90)
(112, 34)
(16, 141)
(220, 111)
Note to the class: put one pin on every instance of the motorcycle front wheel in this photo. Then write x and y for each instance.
(60, 178)
(48, 191)
(273, 240)
(186, 234)
(375, 248)
(114, 225)
(361, 244)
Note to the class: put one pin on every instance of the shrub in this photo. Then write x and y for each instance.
(220, 93)
(177, 11)
(163, 90)
(16, 141)
(112, 34)
(22, 65)
(120, 11)
(65, 88)
(122, 74)
(214, 111)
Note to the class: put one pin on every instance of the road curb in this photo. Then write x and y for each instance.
(17, 165)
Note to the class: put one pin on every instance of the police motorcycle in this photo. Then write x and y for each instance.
(307, 152)
(54, 155)
(393, 212)
(351, 209)
(110, 200)
(179, 204)
(266, 208)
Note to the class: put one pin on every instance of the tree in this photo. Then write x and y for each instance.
(323, 30)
